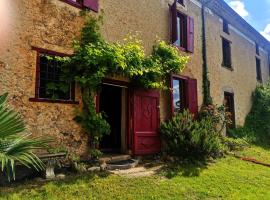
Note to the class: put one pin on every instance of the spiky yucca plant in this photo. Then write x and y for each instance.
(15, 144)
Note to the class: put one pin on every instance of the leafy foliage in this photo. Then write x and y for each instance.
(235, 144)
(189, 138)
(94, 59)
(15, 144)
(218, 116)
(257, 125)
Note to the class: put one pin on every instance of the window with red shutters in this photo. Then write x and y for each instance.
(184, 94)
(182, 30)
(178, 94)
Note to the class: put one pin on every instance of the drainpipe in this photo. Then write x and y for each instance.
(207, 99)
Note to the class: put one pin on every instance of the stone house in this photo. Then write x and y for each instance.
(236, 54)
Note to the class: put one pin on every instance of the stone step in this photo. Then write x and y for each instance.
(113, 158)
(140, 171)
(122, 165)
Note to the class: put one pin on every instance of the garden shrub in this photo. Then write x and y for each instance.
(185, 137)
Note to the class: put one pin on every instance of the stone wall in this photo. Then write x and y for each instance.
(53, 24)
(241, 80)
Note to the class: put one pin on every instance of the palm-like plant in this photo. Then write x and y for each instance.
(15, 144)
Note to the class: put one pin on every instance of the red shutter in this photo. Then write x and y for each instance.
(192, 96)
(190, 34)
(174, 22)
(91, 4)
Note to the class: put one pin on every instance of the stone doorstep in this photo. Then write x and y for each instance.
(113, 158)
(140, 171)
(113, 166)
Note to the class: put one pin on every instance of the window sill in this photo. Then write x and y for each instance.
(53, 101)
(181, 48)
(227, 67)
(72, 3)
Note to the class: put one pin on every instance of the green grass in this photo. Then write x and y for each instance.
(227, 178)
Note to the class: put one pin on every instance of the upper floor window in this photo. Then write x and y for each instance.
(226, 52)
(258, 70)
(49, 85)
(225, 26)
(182, 30)
(257, 49)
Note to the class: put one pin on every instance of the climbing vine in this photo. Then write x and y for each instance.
(94, 59)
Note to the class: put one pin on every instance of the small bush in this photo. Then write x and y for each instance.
(185, 137)
(243, 133)
(235, 144)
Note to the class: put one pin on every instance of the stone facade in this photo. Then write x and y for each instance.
(53, 25)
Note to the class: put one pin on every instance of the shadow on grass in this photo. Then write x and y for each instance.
(37, 184)
(186, 169)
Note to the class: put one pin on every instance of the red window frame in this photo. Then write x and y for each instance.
(37, 98)
(183, 31)
(184, 99)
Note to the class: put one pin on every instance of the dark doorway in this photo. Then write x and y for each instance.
(229, 106)
(110, 104)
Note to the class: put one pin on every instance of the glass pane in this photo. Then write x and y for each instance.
(176, 96)
(178, 41)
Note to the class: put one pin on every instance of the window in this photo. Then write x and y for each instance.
(184, 94)
(229, 106)
(226, 50)
(258, 70)
(182, 30)
(225, 26)
(178, 87)
(257, 49)
(48, 79)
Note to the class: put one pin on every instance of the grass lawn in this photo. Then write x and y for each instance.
(227, 178)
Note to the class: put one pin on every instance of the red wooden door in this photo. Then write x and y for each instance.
(145, 120)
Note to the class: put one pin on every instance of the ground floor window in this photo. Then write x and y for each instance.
(178, 94)
(229, 106)
(49, 86)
